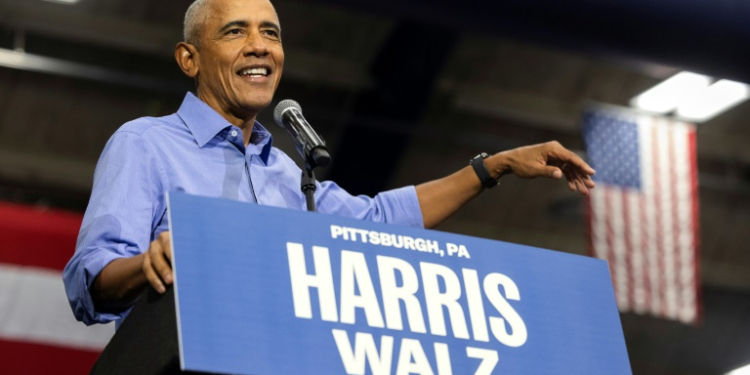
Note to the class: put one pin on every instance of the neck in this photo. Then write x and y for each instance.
(247, 130)
(245, 121)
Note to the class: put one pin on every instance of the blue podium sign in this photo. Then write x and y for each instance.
(269, 291)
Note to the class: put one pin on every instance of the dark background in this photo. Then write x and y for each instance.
(408, 91)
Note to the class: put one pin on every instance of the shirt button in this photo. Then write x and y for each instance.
(234, 133)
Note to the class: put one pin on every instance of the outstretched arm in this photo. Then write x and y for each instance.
(441, 198)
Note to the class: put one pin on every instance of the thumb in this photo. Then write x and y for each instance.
(552, 172)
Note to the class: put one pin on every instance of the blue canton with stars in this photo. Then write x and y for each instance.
(613, 150)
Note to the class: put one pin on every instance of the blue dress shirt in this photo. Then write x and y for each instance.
(199, 152)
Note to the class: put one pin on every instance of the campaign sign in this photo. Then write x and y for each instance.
(269, 291)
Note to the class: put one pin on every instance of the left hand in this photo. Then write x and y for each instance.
(549, 159)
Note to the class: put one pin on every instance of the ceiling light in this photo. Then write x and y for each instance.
(69, 2)
(713, 100)
(666, 96)
(740, 371)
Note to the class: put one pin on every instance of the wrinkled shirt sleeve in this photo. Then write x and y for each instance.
(127, 199)
(398, 206)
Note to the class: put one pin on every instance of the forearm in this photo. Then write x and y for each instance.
(120, 282)
(441, 198)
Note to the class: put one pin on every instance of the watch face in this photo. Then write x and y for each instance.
(482, 156)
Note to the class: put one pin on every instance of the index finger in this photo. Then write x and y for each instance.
(570, 157)
(165, 240)
(157, 254)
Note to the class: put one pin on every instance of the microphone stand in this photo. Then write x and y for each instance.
(317, 157)
(308, 186)
(308, 143)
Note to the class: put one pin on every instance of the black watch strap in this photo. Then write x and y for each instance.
(484, 175)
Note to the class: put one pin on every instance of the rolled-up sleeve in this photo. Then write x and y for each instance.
(127, 201)
(398, 206)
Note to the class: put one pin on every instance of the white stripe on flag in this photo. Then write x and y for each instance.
(599, 224)
(648, 227)
(618, 246)
(635, 248)
(33, 308)
(664, 159)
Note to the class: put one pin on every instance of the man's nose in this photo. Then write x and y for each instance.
(256, 45)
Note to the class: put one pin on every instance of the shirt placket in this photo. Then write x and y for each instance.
(234, 137)
(250, 177)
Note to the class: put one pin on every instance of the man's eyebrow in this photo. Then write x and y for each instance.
(234, 24)
(240, 23)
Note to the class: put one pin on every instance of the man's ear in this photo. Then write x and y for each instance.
(187, 58)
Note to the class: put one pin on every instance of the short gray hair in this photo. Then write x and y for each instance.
(195, 17)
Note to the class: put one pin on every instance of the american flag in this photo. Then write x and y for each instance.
(643, 214)
(38, 333)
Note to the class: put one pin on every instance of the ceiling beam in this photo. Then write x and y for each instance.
(74, 24)
(697, 35)
(41, 64)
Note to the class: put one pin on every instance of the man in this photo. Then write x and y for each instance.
(213, 146)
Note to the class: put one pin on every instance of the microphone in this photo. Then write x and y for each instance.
(288, 115)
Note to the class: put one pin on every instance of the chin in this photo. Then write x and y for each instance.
(258, 104)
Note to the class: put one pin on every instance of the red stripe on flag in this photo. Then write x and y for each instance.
(610, 234)
(644, 246)
(628, 246)
(32, 359)
(35, 237)
(675, 221)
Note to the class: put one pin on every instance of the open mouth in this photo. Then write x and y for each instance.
(255, 72)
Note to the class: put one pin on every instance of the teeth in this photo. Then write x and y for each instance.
(254, 72)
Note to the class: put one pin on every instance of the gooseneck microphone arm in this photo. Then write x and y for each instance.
(309, 187)
(312, 147)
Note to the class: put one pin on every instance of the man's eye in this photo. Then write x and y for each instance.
(234, 32)
(271, 33)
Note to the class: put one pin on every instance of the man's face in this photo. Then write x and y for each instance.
(240, 57)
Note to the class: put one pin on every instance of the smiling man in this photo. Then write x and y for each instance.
(213, 146)
(233, 50)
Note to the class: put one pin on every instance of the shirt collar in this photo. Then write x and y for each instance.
(262, 138)
(205, 123)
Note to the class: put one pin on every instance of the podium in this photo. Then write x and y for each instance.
(146, 342)
(264, 290)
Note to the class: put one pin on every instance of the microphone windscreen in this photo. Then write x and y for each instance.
(283, 106)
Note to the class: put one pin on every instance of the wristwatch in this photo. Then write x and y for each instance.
(484, 176)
